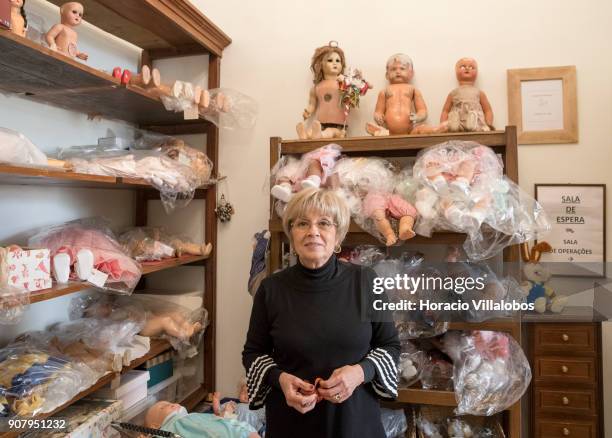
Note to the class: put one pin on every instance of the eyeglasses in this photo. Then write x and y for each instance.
(323, 225)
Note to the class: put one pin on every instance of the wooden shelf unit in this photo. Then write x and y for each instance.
(163, 29)
(502, 142)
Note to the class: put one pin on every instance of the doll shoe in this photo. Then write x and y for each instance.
(282, 192)
(84, 264)
(312, 182)
(61, 267)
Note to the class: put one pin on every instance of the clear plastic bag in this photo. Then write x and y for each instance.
(146, 244)
(14, 303)
(229, 109)
(394, 422)
(440, 422)
(35, 381)
(313, 169)
(156, 318)
(18, 149)
(437, 373)
(490, 371)
(169, 165)
(366, 255)
(369, 187)
(77, 238)
(462, 188)
(182, 97)
(411, 364)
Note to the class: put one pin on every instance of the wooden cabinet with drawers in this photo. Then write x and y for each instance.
(567, 397)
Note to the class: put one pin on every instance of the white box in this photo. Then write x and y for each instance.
(130, 388)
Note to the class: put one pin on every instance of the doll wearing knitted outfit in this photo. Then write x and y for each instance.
(311, 171)
(467, 107)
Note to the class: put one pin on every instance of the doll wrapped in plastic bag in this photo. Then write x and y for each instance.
(14, 303)
(17, 149)
(182, 327)
(368, 185)
(440, 422)
(229, 109)
(490, 371)
(394, 422)
(312, 170)
(462, 187)
(35, 381)
(82, 248)
(411, 364)
(146, 244)
(366, 255)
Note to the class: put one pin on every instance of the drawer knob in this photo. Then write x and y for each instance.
(566, 431)
(565, 401)
(564, 369)
(565, 337)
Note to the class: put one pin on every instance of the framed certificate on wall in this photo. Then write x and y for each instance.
(577, 213)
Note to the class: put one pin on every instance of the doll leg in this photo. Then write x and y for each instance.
(332, 133)
(384, 227)
(375, 130)
(454, 121)
(301, 131)
(401, 209)
(405, 228)
(314, 175)
(216, 404)
(316, 130)
(282, 190)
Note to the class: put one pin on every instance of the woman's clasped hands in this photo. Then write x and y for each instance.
(303, 396)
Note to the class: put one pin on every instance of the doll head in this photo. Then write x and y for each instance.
(399, 69)
(327, 60)
(157, 414)
(466, 70)
(71, 13)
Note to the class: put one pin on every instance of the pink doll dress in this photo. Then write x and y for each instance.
(326, 155)
(395, 205)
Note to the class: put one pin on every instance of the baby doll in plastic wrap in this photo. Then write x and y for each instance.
(174, 418)
(324, 103)
(62, 37)
(394, 113)
(368, 185)
(311, 171)
(467, 108)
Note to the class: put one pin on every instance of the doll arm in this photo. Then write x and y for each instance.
(446, 109)
(381, 106)
(486, 109)
(82, 55)
(312, 104)
(52, 34)
(419, 107)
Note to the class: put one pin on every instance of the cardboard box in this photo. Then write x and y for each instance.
(28, 269)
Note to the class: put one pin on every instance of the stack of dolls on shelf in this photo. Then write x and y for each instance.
(400, 107)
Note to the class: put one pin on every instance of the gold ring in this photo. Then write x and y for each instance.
(337, 397)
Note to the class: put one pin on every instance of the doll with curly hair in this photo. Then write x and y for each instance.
(324, 102)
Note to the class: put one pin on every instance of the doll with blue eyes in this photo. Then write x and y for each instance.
(62, 37)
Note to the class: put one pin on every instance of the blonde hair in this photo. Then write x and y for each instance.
(324, 201)
(401, 58)
(316, 63)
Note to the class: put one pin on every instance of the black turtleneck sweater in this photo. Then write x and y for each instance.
(309, 322)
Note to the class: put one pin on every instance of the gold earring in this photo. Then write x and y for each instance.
(337, 249)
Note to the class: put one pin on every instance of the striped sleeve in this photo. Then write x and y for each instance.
(385, 378)
(258, 351)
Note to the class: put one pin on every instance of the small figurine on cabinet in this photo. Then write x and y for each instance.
(536, 287)
(394, 113)
(467, 108)
(19, 21)
(324, 105)
(62, 37)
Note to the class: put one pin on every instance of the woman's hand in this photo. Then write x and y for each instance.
(300, 395)
(341, 384)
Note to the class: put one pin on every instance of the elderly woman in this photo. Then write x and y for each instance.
(314, 355)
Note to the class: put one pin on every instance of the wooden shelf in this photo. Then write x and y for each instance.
(394, 145)
(163, 27)
(357, 236)
(147, 268)
(158, 346)
(420, 396)
(43, 75)
(21, 175)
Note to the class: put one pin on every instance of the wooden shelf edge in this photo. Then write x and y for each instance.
(495, 139)
(426, 397)
(70, 288)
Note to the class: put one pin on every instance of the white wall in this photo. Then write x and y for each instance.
(273, 41)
